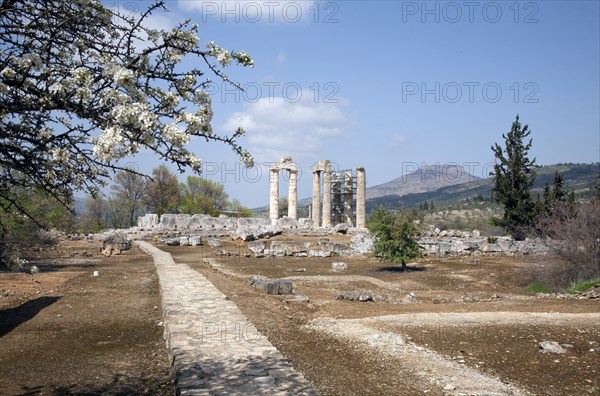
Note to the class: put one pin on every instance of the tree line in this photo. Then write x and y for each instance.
(133, 195)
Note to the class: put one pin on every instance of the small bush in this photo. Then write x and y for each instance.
(573, 234)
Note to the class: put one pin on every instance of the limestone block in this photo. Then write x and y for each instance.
(196, 221)
(195, 240)
(272, 286)
(287, 222)
(168, 221)
(148, 221)
(342, 228)
(213, 242)
(257, 247)
(338, 248)
(339, 266)
(362, 243)
(182, 221)
(290, 247)
(319, 253)
(306, 223)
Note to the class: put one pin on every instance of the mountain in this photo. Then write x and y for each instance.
(580, 178)
(424, 179)
(448, 185)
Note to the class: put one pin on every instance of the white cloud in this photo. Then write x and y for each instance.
(397, 139)
(163, 20)
(277, 127)
(281, 58)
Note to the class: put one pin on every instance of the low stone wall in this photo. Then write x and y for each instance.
(171, 227)
(206, 222)
(480, 246)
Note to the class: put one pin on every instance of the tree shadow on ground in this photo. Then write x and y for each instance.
(13, 317)
(53, 267)
(399, 268)
(121, 385)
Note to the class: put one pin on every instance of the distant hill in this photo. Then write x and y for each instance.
(453, 184)
(424, 179)
(580, 178)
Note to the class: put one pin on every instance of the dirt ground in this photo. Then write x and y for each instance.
(64, 331)
(487, 289)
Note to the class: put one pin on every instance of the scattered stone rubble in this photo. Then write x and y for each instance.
(592, 294)
(551, 347)
(114, 242)
(339, 266)
(175, 228)
(271, 286)
(359, 296)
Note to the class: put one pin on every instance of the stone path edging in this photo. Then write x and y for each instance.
(214, 348)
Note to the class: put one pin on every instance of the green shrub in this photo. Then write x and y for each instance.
(395, 234)
(582, 286)
(538, 287)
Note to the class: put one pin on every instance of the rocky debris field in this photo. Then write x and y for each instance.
(446, 326)
(351, 325)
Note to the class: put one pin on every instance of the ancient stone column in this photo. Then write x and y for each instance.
(337, 198)
(327, 195)
(274, 196)
(316, 198)
(361, 198)
(293, 193)
(348, 198)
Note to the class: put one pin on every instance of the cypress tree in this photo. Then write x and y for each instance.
(558, 194)
(514, 174)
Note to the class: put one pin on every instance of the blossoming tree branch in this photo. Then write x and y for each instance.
(83, 86)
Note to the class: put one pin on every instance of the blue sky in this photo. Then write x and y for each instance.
(390, 84)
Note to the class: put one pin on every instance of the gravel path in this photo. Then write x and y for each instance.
(214, 349)
(430, 367)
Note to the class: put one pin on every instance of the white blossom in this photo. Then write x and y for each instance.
(29, 61)
(113, 97)
(176, 136)
(247, 159)
(110, 144)
(170, 100)
(134, 115)
(197, 123)
(243, 58)
(82, 76)
(60, 154)
(123, 77)
(8, 72)
(222, 55)
(188, 82)
(62, 87)
(44, 133)
(91, 90)
(201, 98)
(4, 88)
(194, 161)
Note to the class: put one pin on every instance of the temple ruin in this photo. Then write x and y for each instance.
(343, 197)
(285, 164)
